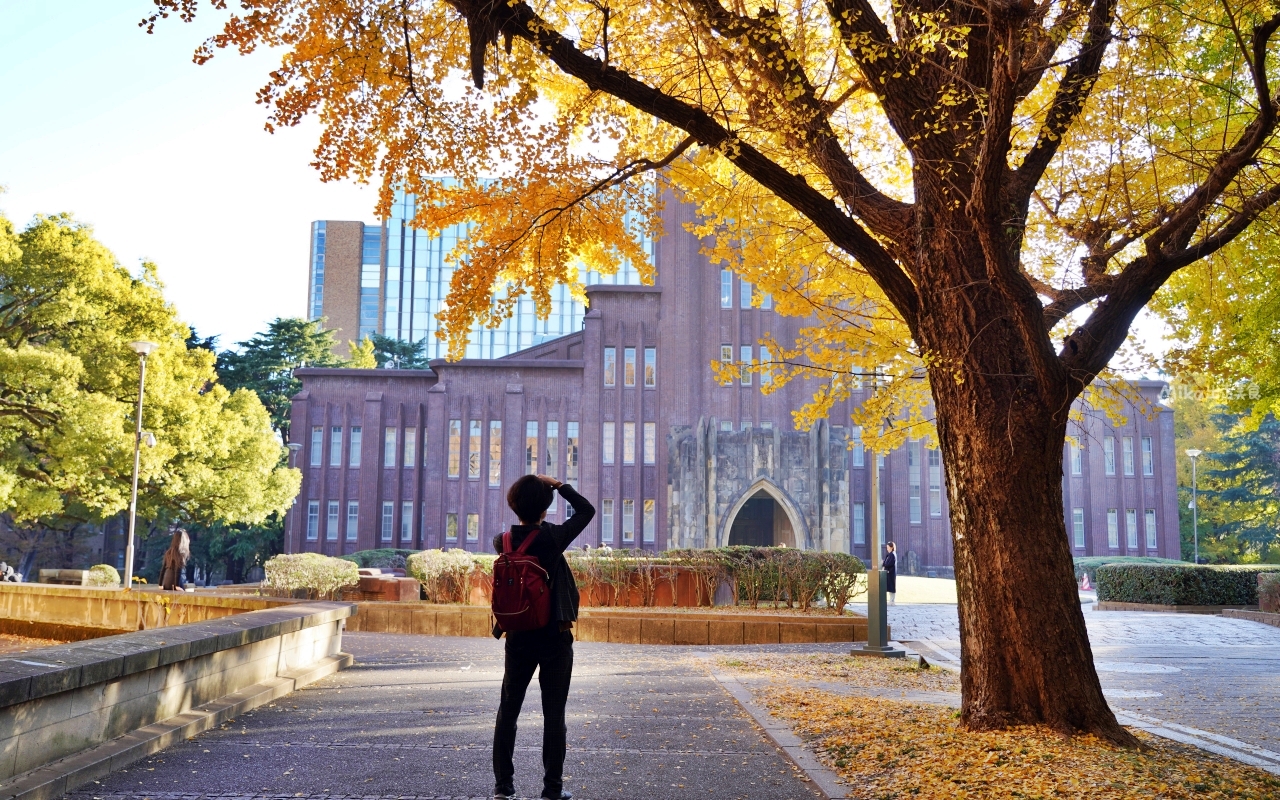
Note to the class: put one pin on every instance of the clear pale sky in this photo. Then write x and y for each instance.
(166, 160)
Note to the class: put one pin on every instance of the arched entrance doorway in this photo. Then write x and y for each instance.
(762, 522)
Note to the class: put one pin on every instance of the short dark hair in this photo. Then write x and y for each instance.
(529, 496)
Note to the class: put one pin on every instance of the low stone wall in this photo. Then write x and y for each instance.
(1265, 617)
(622, 625)
(72, 713)
(1112, 605)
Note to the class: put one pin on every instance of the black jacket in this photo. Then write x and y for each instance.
(890, 565)
(549, 549)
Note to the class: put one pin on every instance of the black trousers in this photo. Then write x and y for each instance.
(549, 651)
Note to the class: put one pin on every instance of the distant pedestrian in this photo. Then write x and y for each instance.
(548, 649)
(175, 560)
(890, 566)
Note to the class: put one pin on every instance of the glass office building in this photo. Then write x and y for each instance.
(315, 299)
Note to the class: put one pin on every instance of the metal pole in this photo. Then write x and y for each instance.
(133, 497)
(877, 614)
(1195, 512)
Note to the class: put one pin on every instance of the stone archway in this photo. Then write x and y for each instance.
(763, 517)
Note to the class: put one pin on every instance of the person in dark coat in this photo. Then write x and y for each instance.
(175, 560)
(549, 649)
(890, 566)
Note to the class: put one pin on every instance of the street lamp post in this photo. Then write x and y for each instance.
(877, 643)
(1195, 506)
(294, 447)
(143, 349)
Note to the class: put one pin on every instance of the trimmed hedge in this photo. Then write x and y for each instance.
(1269, 592)
(381, 558)
(1181, 584)
(1090, 564)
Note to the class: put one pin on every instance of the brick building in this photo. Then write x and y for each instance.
(628, 410)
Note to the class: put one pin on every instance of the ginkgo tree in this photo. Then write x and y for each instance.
(988, 191)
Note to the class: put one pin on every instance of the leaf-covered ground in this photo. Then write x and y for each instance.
(12, 643)
(893, 749)
(859, 672)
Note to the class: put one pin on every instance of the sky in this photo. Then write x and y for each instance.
(168, 161)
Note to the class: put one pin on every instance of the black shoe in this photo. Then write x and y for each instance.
(498, 794)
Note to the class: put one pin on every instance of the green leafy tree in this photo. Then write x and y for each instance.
(1245, 478)
(397, 353)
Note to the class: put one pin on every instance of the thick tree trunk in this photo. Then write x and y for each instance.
(1025, 649)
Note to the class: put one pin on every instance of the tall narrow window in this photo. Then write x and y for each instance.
(1109, 455)
(495, 452)
(354, 459)
(1150, 520)
(571, 452)
(651, 443)
(628, 366)
(859, 523)
(389, 447)
(388, 520)
(628, 443)
(451, 527)
(726, 357)
(531, 447)
(650, 522)
(473, 450)
(650, 367)
(744, 294)
(1077, 459)
(1131, 528)
(410, 447)
(455, 448)
(628, 521)
(406, 522)
(859, 452)
(1113, 529)
(353, 520)
(553, 448)
(313, 520)
(744, 359)
(1128, 454)
(913, 482)
(766, 367)
(1148, 457)
(610, 366)
(317, 446)
(880, 521)
(726, 289)
(335, 446)
(473, 527)
(607, 441)
(1077, 528)
(331, 522)
(606, 520)
(766, 301)
(935, 482)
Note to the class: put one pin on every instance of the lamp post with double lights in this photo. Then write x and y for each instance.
(143, 349)
(1195, 506)
(294, 447)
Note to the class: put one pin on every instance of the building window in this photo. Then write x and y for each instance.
(766, 367)
(650, 367)
(406, 522)
(606, 520)
(388, 519)
(571, 453)
(880, 522)
(726, 355)
(531, 447)
(650, 523)
(935, 483)
(553, 449)
(913, 482)
(1150, 520)
(354, 459)
(766, 425)
(473, 527)
(610, 366)
(317, 446)
(335, 446)
(859, 523)
(766, 301)
(313, 520)
(451, 527)
(1148, 460)
(628, 443)
(628, 366)
(455, 448)
(1077, 459)
(331, 522)
(744, 294)
(607, 437)
(1113, 529)
(389, 447)
(353, 520)
(473, 450)
(726, 425)
(410, 447)
(859, 452)
(1109, 455)
(651, 443)
(495, 452)
(1127, 442)
(628, 521)
(744, 359)
(1077, 527)
(746, 425)
(726, 289)
(1131, 528)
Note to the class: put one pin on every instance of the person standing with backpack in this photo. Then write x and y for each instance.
(535, 601)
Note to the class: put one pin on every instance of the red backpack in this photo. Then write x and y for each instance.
(521, 588)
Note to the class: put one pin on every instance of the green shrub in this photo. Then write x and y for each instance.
(1180, 584)
(1269, 592)
(382, 558)
(445, 575)
(103, 575)
(1090, 564)
(321, 576)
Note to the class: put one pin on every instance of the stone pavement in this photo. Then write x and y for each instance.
(414, 719)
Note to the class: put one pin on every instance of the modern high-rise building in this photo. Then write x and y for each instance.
(343, 283)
